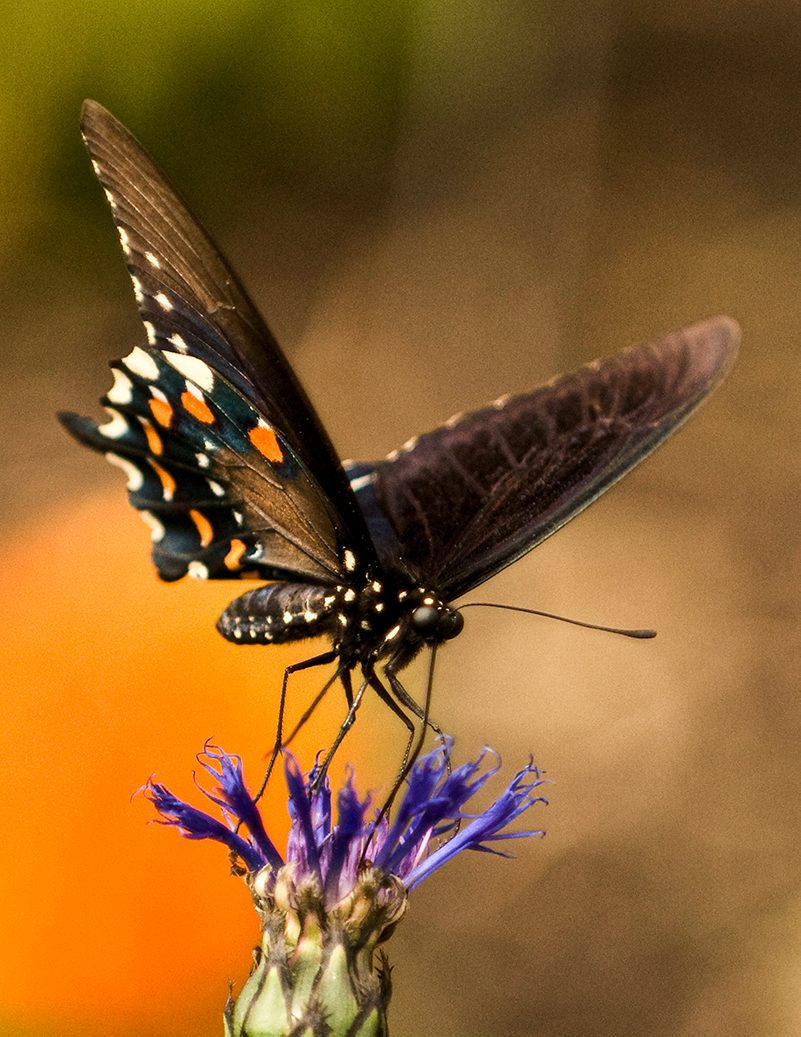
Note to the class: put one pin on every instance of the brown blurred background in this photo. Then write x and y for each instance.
(433, 204)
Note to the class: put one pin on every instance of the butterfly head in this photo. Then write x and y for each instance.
(423, 618)
(436, 622)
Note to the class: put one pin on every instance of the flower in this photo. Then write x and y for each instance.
(342, 885)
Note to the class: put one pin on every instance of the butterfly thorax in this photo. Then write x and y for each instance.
(372, 622)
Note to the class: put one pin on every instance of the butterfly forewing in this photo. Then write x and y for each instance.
(469, 498)
(191, 302)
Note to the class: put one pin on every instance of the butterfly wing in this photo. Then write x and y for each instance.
(191, 303)
(460, 503)
(224, 492)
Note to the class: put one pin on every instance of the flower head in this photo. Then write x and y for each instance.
(342, 882)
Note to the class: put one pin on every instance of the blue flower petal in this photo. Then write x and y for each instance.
(303, 829)
(195, 824)
(235, 799)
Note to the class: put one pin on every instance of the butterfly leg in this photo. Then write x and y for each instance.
(318, 698)
(307, 664)
(347, 723)
(403, 696)
(412, 752)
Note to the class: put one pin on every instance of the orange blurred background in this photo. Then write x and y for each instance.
(433, 205)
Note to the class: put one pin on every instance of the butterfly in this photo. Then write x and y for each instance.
(232, 469)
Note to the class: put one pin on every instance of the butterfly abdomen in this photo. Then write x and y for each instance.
(281, 612)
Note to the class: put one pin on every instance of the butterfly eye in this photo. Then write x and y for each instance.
(438, 623)
(425, 620)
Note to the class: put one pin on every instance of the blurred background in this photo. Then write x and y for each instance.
(433, 204)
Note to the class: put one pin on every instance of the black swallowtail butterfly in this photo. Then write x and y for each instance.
(229, 464)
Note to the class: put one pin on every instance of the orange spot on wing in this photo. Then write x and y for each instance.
(197, 408)
(167, 481)
(265, 442)
(232, 559)
(203, 527)
(153, 439)
(161, 411)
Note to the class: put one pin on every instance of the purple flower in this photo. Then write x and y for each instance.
(329, 902)
(431, 823)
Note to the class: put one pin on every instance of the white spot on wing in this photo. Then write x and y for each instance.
(116, 428)
(309, 616)
(393, 633)
(156, 528)
(176, 340)
(142, 363)
(376, 585)
(163, 302)
(197, 570)
(192, 368)
(287, 617)
(158, 394)
(362, 481)
(202, 460)
(215, 488)
(153, 260)
(350, 594)
(139, 295)
(122, 389)
(135, 477)
(150, 331)
(350, 560)
(126, 247)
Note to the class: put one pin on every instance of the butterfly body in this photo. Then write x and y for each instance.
(233, 471)
(376, 622)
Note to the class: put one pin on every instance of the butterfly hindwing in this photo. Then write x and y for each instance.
(223, 490)
(467, 499)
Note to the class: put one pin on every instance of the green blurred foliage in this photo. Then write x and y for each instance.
(316, 86)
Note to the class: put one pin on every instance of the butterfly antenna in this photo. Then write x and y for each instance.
(640, 634)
